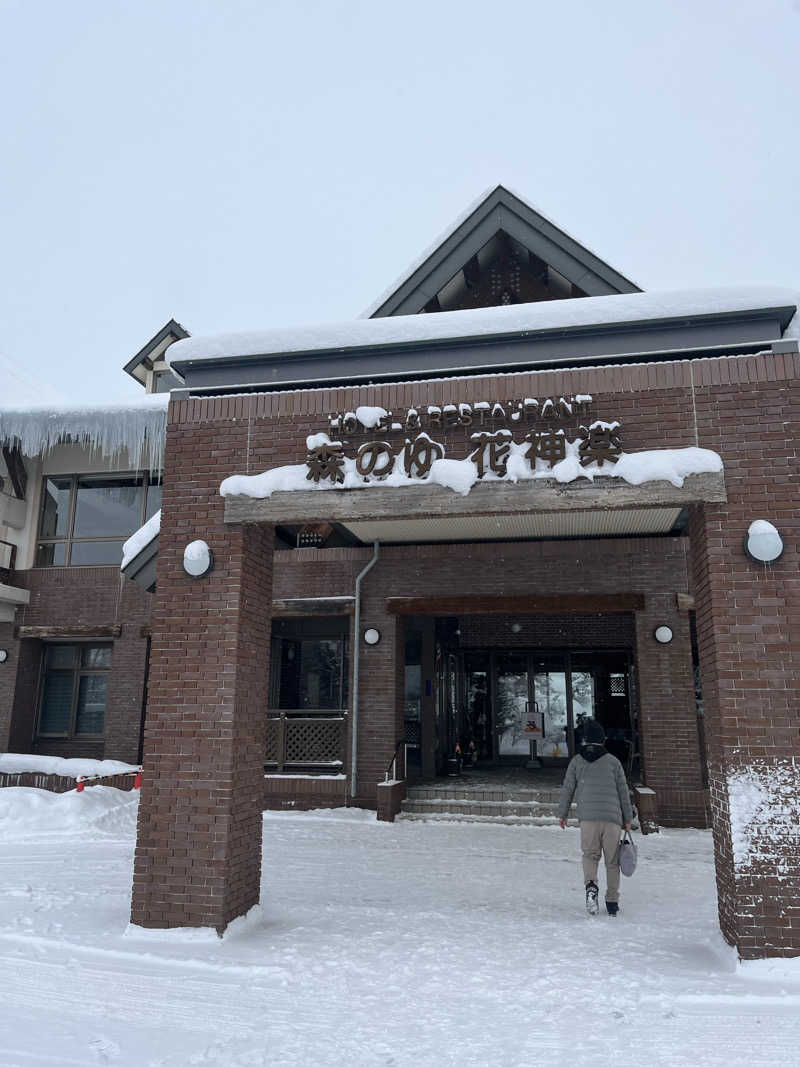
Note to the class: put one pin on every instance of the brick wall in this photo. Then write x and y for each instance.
(80, 596)
(744, 407)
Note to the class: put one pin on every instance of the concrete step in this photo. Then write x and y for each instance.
(521, 796)
(496, 820)
(458, 806)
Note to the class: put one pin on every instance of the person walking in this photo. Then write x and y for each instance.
(604, 808)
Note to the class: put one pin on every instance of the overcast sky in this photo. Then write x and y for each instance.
(246, 164)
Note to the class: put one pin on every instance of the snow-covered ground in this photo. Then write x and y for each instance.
(382, 945)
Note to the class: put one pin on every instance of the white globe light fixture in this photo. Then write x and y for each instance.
(372, 636)
(3, 655)
(763, 543)
(198, 559)
(663, 634)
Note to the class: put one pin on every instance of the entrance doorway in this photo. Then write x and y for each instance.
(529, 706)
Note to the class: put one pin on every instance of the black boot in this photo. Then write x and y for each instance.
(591, 898)
(612, 907)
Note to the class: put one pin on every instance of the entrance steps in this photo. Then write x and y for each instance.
(448, 802)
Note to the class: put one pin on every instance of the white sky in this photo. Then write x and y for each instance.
(254, 164)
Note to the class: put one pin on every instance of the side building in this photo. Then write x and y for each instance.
(75, 483)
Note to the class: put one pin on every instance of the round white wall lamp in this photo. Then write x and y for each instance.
(198, 559)
(3, 655)
(663, 634)
(372, 636)
(515, 627)
(763, 543)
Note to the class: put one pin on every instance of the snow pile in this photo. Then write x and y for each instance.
(137, 427)
(22, 763)
(509, 320)
(25, 811)
(407, 944)
(139, 540)
(673, 465)
(370, 417)
(762, 798)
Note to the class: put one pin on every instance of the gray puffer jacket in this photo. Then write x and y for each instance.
(599, 781)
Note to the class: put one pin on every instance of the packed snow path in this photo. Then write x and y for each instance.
(381, 945)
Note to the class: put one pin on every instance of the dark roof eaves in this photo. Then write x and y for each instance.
(499, 199)
(783, 313)
(173, 327)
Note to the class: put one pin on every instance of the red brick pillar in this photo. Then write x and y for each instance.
(198, 851)
(380, 716)
(748, 615)
(668, 713)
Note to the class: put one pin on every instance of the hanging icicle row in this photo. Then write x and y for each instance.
(138, 428)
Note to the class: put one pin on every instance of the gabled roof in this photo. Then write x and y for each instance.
(154, 349)
(497, 211)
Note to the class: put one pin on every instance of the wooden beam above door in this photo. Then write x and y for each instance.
(514, 605)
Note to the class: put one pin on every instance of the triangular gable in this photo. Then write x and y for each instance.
(512, 252)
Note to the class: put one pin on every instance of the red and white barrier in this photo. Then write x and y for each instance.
(82, 779)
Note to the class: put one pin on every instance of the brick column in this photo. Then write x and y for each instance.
(198, 851)
(668, 714)
(748, 616)
(380, 716)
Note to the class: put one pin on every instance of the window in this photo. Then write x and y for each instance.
(86, 518)
(309, 665)
(74, 687)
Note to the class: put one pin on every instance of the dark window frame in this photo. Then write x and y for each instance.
(142, 480)
(77, 671)
(295, 631)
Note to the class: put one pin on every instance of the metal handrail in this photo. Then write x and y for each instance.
(392, 768)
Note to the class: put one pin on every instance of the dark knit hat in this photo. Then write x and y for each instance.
(593, 733)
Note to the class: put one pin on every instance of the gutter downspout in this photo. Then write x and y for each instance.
(356, 657)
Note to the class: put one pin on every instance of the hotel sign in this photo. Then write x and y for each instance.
(491, 445)
(432, 417)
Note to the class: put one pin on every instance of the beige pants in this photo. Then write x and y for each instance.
(597, 837)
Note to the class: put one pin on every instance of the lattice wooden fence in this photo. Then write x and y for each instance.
(305, 741)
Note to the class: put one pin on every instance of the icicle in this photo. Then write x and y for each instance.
(137, 427)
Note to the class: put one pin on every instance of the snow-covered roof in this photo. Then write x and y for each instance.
(137, 426)
(504, 321)
(141, 539)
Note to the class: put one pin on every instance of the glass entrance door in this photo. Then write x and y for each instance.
(516, 706)
(511, 704)
(554, 706)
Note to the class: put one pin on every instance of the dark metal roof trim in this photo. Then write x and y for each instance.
(171, 329)
(651, 340)
(142, 568)
(502, 210)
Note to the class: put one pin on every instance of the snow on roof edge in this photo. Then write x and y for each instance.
(137, 426)
(495, 321)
